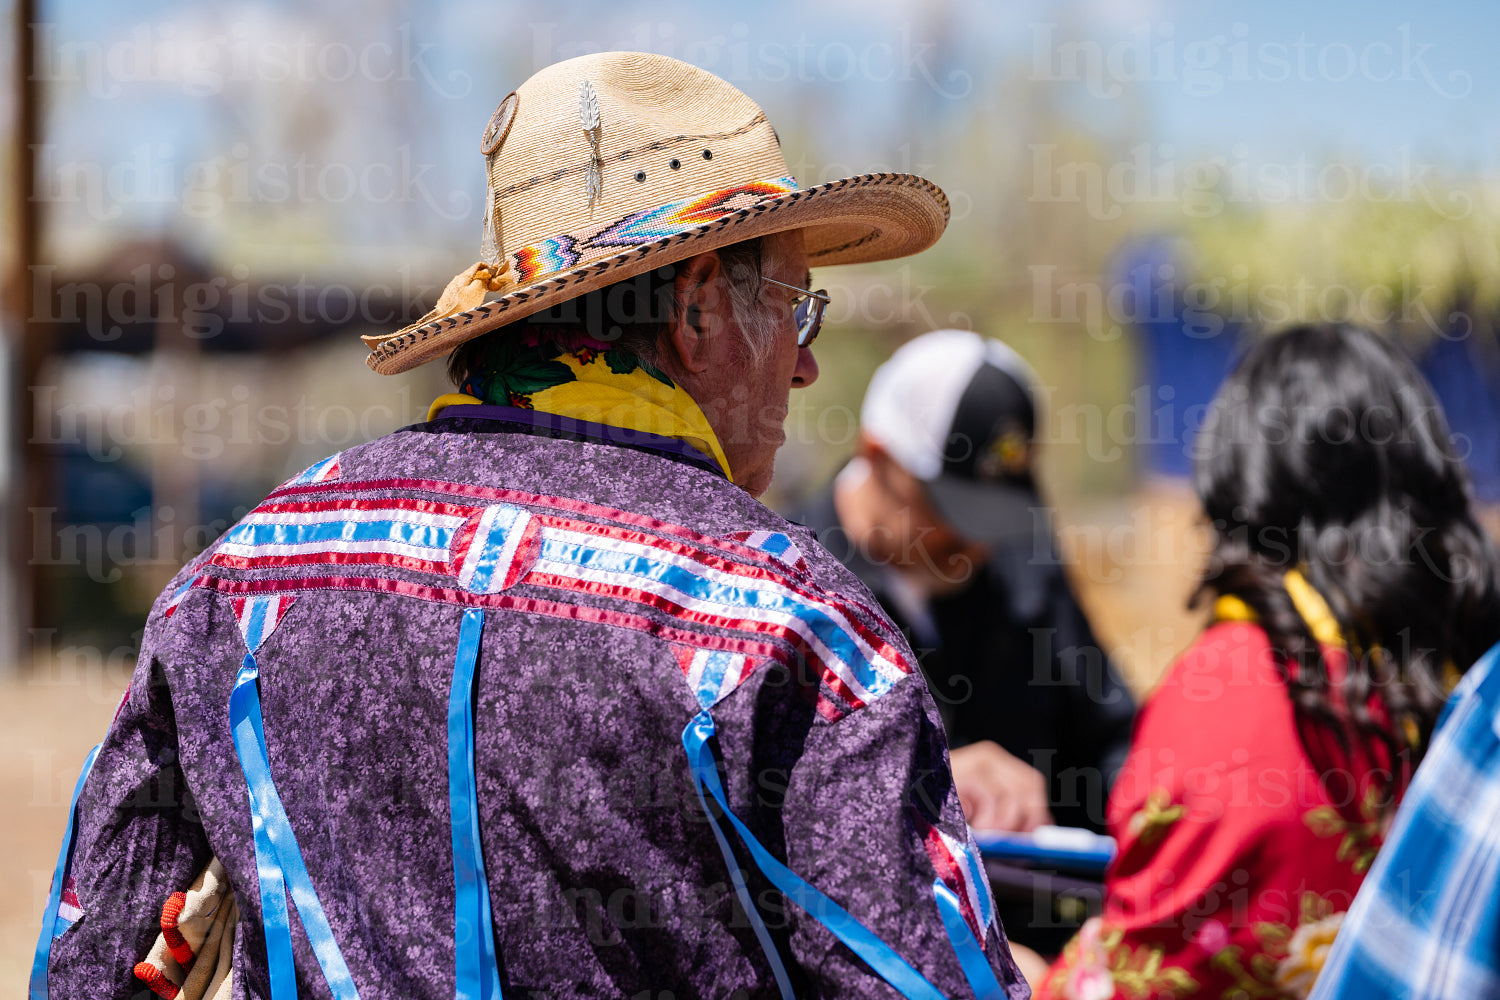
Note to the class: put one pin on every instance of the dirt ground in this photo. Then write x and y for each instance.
(48, 722)
(1132, 561)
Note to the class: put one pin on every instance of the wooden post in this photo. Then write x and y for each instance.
(24, 465)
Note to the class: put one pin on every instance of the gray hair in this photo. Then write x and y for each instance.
(745, 264)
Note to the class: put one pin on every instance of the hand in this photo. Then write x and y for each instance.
(998, 791)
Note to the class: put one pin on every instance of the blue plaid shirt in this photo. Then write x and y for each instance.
(1426, 922)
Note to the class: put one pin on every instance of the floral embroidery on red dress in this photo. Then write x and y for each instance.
(1290, 958)
(1151, 822)
(1360, 839)
(1102, 966)
(1235, 864)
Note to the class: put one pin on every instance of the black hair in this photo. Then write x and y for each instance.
(1326, 452)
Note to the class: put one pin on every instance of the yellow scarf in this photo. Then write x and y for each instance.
(634, 401)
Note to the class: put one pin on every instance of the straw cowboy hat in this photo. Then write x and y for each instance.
(606, 166)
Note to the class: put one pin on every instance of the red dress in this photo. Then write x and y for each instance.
(1235, 863)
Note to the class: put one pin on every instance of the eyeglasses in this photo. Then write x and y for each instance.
(807, 310)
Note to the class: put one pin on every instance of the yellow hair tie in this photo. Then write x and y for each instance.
(1305, 598)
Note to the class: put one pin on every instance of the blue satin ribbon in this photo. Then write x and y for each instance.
(275, 921)
(970, 955)
(38, 988)
(476, 969)
(278, 859)
(861, 940)
(783, 982)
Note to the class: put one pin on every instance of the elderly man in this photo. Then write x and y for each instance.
(535, 698)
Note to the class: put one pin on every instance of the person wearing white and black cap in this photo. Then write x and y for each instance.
(939, 515)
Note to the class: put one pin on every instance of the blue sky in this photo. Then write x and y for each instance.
(1378, 76)
(162, 93)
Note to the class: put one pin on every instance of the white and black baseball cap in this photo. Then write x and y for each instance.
(955, 410)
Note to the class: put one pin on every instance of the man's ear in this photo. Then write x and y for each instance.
(882, 463)
(871, 450)
(699, 302)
